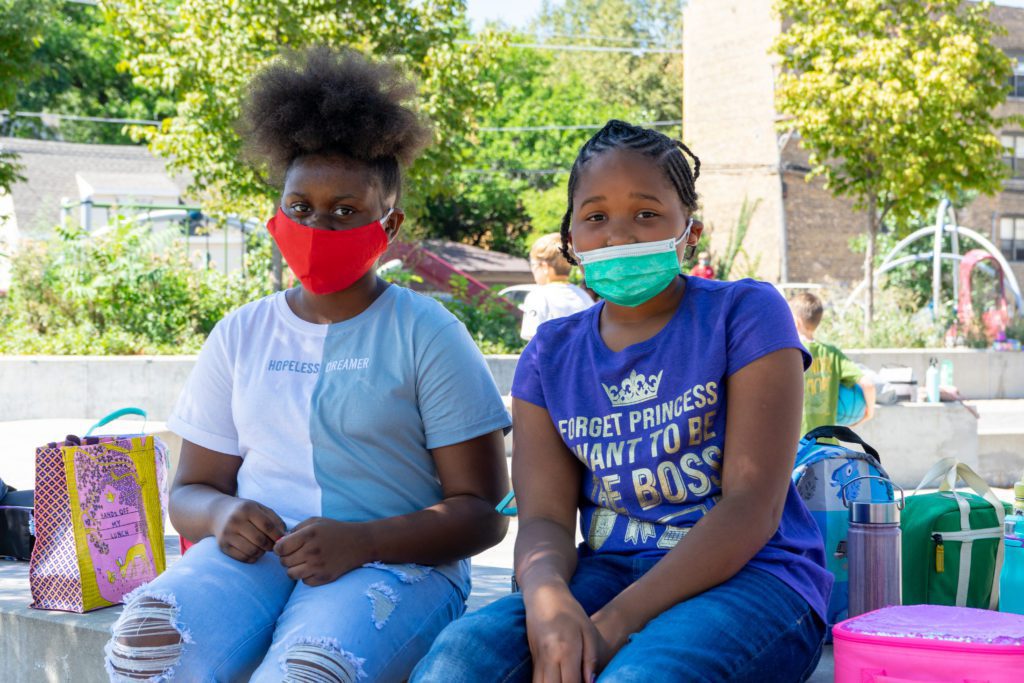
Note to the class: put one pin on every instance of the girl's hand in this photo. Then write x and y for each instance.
(565, 645)
(319, 550)
(245, 529)
(613, 631)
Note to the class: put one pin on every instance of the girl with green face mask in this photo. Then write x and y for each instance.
(665, 418)
(632, 274)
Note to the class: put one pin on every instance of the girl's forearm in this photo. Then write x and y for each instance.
(455, 528)
(545, 553)
(700, 561)
(193, 508)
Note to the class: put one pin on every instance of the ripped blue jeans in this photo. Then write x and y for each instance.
(230, 619)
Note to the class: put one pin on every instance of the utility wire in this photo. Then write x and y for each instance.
(596, 126)
(727, 169)
(487, 129)
(543, 35)
(583, 48)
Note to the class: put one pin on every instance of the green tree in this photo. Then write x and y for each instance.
(548, 97)
(79, 72)
(645, 85)
(522, 151)
(202, 53)
(21, 29)
(894, 100)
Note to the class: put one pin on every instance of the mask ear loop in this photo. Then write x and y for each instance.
(690, 248)
(390, 238)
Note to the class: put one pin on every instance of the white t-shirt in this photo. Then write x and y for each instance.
(553, 300)
(338, 420)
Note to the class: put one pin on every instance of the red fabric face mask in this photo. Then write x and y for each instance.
(328, 261)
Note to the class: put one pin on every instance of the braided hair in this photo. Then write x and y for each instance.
(667, 153)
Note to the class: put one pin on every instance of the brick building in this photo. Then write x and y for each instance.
(799, 232)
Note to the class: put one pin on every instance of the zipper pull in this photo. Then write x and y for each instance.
(940, 554)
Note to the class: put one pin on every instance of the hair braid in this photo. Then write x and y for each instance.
(668, 153)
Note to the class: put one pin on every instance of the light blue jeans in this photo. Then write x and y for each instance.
(751, 628)
(372, 624)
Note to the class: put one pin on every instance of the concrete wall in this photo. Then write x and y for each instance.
(977, 374)
(911, 437)
(38, 387)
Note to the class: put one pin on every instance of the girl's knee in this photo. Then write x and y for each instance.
(147, 642)
(320, 660)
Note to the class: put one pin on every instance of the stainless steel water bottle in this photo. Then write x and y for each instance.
(873, 551)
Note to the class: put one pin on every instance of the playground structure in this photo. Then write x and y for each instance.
(988, 258)
(994, 320)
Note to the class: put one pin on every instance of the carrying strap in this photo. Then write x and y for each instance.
(870, 455)
(120, 413)
(949, 471)
(506, 507)
(842, 433)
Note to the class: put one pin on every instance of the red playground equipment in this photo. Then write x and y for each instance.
(994, 318)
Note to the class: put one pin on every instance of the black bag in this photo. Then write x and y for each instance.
(17, 528)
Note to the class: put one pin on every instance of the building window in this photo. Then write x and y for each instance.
(1017, 84)
(1014, 145)
(1011, 237)
(1017, 79)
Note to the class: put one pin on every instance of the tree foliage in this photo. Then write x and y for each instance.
(202, 53)
(548, 97)
(21, 28)
(78, 71)
(894, 100)
(645, 85)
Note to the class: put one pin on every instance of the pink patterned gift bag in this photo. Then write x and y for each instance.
(99, 510)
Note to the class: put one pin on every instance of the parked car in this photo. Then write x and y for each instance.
(517, 293)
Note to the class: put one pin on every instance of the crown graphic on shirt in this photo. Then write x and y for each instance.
(634, 389)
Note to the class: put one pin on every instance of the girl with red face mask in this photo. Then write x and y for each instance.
(342, 440)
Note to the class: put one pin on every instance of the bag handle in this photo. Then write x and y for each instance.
(120, 413)
(949, 470)
(843, 434)
(939, 470)
(505, 507)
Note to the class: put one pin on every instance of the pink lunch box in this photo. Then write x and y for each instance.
(930, 643)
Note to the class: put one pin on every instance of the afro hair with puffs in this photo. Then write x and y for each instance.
(321, 101)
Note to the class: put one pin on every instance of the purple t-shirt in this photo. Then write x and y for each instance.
(648, 422)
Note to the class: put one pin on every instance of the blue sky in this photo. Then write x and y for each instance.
(512, 12)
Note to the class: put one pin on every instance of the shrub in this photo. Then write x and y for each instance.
(494, 327)
(898, 323)
(128, 291)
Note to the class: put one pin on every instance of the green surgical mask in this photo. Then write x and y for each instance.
(632, 274)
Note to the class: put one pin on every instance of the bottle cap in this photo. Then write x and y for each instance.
(887, 512)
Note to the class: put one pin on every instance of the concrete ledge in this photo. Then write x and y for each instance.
(1001, 458)
(978, 374)
(911, 437)
(33, 387)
